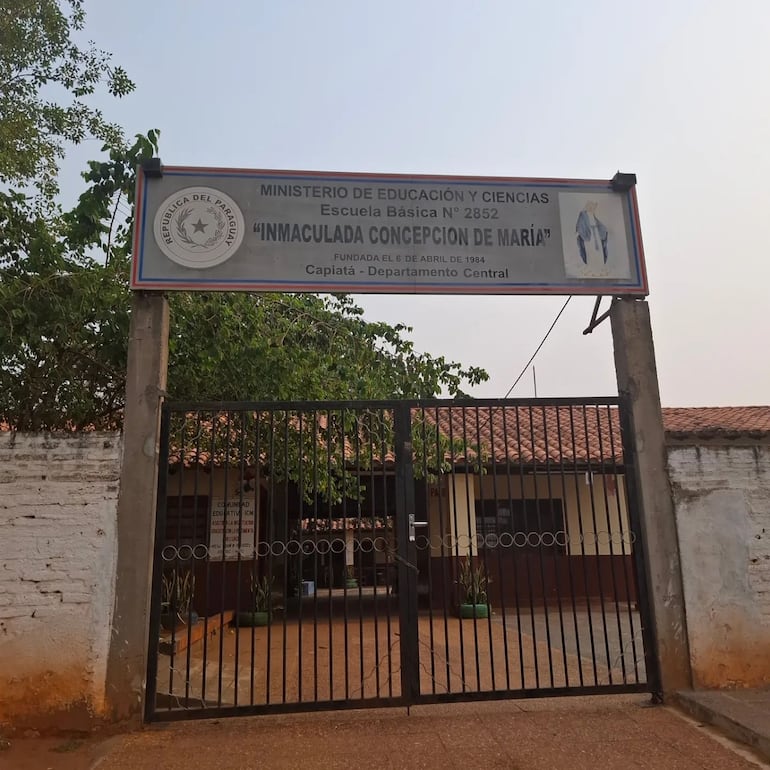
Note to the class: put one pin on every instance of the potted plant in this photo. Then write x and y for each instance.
(176, 594)
(261, 603)
(473, 583)
(350, 577)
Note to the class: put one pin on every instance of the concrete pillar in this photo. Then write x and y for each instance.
(647, 480)
(145, 388)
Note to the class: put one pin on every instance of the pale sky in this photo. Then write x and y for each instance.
(676, 91)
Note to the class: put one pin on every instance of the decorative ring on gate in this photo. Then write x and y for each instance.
(380, 544)
(422, 542)
(491, 540)
(534, 539)
(602, 541)
(436, 542)
(324, 551)
(550, 535)
(293, 547)
(478, 540)
(275, 546)
(463, 541)
(263, 548)
(366, 544)
(171, 555)
(200, 554)
(631, 538)
(308, 547)
(520, 539)
(506, 540)
(338, 545)
(188, 552)
(564, 538)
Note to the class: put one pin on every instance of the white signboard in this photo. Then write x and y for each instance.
(231, 525)
(226, 229)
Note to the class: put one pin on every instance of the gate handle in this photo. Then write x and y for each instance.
(413, 524)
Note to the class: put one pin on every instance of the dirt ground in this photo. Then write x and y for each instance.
(599, 732)
(326, 658)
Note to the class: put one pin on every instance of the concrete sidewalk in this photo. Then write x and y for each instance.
(596, 732)
(743, 715)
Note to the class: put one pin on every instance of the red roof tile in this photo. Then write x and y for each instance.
(717, 421)
(528, 434)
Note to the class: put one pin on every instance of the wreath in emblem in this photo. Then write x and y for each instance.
(181, 228)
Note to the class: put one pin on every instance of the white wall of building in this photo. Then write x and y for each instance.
(722, 501)
(58, 550)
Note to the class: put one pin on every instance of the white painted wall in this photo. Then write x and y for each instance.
(58, 549)
(722, 503)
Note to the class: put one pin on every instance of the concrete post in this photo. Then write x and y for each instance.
(145, 387)
(637, 378)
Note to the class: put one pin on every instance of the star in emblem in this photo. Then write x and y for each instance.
(199, 226)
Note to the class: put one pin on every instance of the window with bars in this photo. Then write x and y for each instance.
(526, 520)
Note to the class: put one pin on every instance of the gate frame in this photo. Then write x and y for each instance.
(408, 611)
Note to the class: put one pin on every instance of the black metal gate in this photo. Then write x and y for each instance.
(344, 555)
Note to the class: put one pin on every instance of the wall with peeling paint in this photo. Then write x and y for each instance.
(58, 546)
(722, 499)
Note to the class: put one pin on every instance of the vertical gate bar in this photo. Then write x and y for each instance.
(445, 590)
(619, 512)
(258, 512)
(594, 522)
(357, 423)
(610, 537)
(498, 549)
(344, 496)
(173, 608)
(210, 512)
(525, 552)
(429, 556)
(514, 560)
(330, 570)
(470, 503)
(407, 583)
(314, 530)
(270, 539)
(196, 502)
(456, 537)
(153, 651)
(567, 540)
(645, 610)
(182, 473)
(300, 576)
(284, 534)
(223, 576)
(389, 587)
(370, 432)
(179, 484)
(583, 558)
(481, 544)
(238, 556)
(556, 554)
(535, 484)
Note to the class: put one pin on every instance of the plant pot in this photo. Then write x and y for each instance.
(474, 610)
(351, 583)
(249, 619)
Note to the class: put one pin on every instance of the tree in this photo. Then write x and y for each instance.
(65, 315)
(39, 56)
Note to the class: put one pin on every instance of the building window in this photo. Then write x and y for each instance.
(187, 520)
(529, 522)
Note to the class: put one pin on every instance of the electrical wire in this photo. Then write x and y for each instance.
(542, 342)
